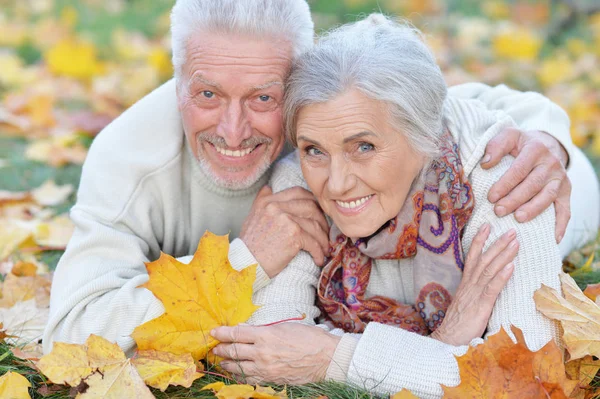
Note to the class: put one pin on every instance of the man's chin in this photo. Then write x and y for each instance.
(235, 178)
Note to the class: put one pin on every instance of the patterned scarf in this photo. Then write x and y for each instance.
(427, 228)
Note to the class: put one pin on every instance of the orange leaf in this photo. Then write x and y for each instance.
(403, 394)
(500, 368)
(209, 288)
(592, 291)
(243, 391)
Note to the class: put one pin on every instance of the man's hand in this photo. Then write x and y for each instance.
(288, 353)
(280, 225)
(536, 178)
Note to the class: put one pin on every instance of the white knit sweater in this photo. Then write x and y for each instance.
(385, 359)
(141, 192)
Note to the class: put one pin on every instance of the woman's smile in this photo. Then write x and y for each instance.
(351, 207)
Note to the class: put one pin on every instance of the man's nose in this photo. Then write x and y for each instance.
(234, 126)
(341, 179)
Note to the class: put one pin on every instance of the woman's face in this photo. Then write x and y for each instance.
(358, 165)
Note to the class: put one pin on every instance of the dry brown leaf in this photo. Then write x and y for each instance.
(49, 194)
(209, 288)
(32, 351)
(14, 386)
(18, 289)
(161, 369)
(592, 291)
(578, 315)
(24, 322)
(499, 368)
(403, 394)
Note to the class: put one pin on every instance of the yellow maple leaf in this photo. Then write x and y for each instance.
(66, 364)
(19, 289)
(243, 391)
(198, 297)
(117, 381)
(14, 386)
(500, 368)
(403, 394)
(161, 369)
(578, 315)
(583, 370)
(517, 44)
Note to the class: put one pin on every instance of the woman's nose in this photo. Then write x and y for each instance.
(234, 126)
(341, 179)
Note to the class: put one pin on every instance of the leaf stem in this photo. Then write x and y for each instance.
(284, 320)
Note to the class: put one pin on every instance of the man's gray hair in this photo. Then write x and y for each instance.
(387, 61)
(287, 19)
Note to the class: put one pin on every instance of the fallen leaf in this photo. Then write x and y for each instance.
(24, 322)
(55, 233)
(243, 391)
(66, 364)
(14, 386)
(32, 351)
(49, 194)
(578, 315)
(403, 394)
(209, 288)
(18, 289)
(500, 368)
(582, 370)
(592, 291)
(120, 380)
(161, 369)
(24, 269)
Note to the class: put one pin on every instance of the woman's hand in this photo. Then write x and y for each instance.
(485, 275)
(287, 353)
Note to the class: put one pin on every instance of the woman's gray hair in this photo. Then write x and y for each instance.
(290, 20)
(387, 61)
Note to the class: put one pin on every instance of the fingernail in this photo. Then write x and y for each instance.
(486, 158)
(508, 267)
(520, 215)
(559, 239)
(500, 211)
(513, 244)
(213, 332)
(510, 233)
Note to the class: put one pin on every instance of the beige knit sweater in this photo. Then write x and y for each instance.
(141, 192)
(386, 359)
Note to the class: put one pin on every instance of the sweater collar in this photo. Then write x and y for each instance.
(207, 183)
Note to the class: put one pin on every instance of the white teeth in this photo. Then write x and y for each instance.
(353, 204)
(236, 153)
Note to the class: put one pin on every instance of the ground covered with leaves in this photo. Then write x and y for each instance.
(68, 69)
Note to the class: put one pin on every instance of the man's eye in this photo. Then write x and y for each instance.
(264, 98)
(313, 151)
(365, 147)
(208, 94)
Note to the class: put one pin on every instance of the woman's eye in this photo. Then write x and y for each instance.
(365, 147)
(313, 151)
(208, 94)
(264, 98)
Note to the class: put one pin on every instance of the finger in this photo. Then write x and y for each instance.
(497, 248)
(305, 208)
(235, 351)
(562, 207)
(518, 171)
(495, 286)
(313, 247)
(499, 262)
(500, 146)
(539, 203)
(265, 191)
(476, 249)
(244, 368)
(241, 334)
(525, 191)
(292, 193)
(315, 230)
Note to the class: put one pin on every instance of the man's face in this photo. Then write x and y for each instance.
(230, 98)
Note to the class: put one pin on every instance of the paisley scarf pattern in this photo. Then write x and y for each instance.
(427, 229)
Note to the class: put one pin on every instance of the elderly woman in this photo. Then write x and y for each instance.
(379, 147)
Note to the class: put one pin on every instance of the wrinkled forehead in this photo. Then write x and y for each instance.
(228, 61)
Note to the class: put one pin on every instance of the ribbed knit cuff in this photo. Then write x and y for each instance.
(240, 258)
(340, 363)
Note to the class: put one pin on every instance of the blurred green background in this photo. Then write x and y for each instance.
(67, 68)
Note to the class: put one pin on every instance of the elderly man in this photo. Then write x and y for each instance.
(194, 155)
